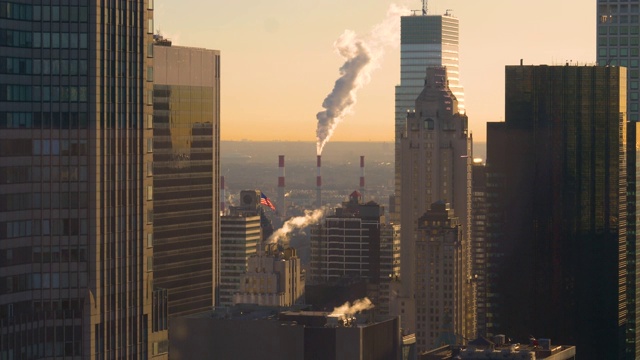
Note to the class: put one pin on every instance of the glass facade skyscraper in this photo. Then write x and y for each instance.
(425, 40)
(619, 44)
(185, 170)
(618, 40)
(76, 205)
(556, 197)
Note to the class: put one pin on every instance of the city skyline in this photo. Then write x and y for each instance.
(256, 41)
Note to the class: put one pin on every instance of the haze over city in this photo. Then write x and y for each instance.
(279, 62)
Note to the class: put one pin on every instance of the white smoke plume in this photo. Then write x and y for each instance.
(298, 222)
(362, 56)
(348, 309)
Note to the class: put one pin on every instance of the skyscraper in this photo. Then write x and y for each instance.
(436, 166)
(356, 245)
(440, 289)
(425, 40)
(186, 171)
(618, 28)
(479, 253)
(240, 239)
(618, 24)
(557, 208)
(76, 201)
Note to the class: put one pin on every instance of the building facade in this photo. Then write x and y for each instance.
(75, 85)
(618, 24)
(436, 166)
(557, 208)
(240, 238)
(273, 334)
(273, 278)
(356, 245)
(479, 251)
(186, 169)
(425, 40)
(439, 290)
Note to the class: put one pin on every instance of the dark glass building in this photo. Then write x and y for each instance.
(75, 199)
(186, 153)
(557, 208)
(479, 253)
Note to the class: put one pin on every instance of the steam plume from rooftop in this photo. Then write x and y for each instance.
(362, 56)
(298, 222)
(348, 309)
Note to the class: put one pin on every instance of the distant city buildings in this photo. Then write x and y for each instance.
(557, 208)
(76, 195)
(425, 40)
(435, 166)
(185, 169)
(356, 245)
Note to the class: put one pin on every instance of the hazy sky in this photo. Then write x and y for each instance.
(278, 61)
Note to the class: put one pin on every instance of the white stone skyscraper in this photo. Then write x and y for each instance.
(435, 154)
(425, 40)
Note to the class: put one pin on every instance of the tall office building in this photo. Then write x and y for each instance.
(436, 159)
(557, 208)
(633, 245)
(240, 239)
(76, 272)
(618, 28)
(186, 173)
(439, 289)
(356, 244)
(425, 40)
(479, 251)
(618, 24)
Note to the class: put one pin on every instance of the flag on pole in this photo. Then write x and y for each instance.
(264, 200)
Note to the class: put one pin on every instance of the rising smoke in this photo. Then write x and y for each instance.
(362, 56)
(298, 222)
(348, 309)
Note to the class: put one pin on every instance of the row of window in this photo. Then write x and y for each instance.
(16, 11)
(28, 174)
(618, 19)
(44, 120)
(618, 30)
(55, 200)
(28, 93)
(26, 282)
(28, 66)
(602, 52)
(44, 40)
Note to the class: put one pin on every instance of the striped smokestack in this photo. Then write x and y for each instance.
(319, 183)
(362, 178)
(223, 197)
(282, 207)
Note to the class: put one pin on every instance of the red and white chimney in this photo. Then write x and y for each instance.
(362, 179)
(282, 206)
(319, 183)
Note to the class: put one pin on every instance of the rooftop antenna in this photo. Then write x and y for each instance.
(424, 7)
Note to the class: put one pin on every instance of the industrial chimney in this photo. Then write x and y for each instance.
(362, 178)
(282, 207)
(319, 183)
